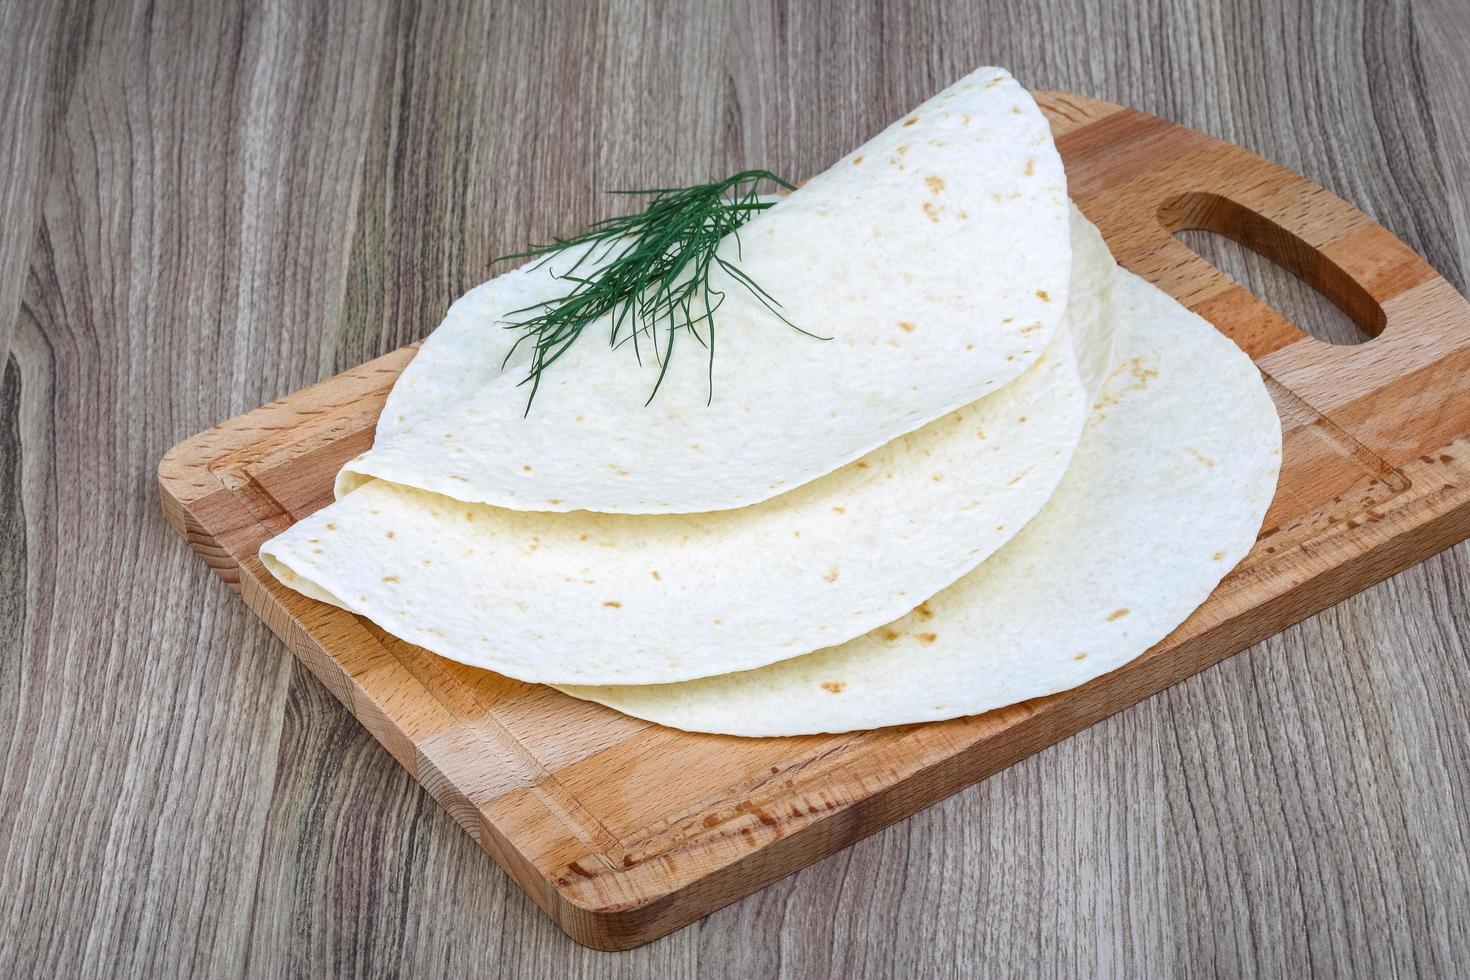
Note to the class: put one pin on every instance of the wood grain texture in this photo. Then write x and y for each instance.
(233, 200)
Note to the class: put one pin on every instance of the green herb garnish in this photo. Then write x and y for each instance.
(651, 273)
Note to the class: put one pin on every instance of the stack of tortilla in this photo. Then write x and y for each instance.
(990, 466)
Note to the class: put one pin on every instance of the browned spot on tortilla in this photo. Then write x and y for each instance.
(833, 687)
(330, 527)
(937, 477)
(861, 465)
(526, 469)
(1021, 419)
(1015, 110)
(1043, 295)
(926, 638)
(905, 326)
(857, 159)
(469, 515)
(1217, 556)
(1030, 167)
(1117, 614)
(831, 576)
(935, 184)
(1204, 460)
(554, 501)
(1080, 656)
(656, 576)
(839, 510)
(931, 211)
(613, 604)
(890, 634)
(924, 610)
(390, 578)
(390, 534)
(911, 120)
(965, 119)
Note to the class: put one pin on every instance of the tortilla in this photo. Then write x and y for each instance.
(1165, 495)
(602, 598)
(935, 257)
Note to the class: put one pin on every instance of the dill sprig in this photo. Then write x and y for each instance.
(650, 271)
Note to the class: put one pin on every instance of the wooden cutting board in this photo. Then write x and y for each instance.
(622, 830)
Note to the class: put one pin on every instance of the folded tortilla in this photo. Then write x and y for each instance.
(629, 599)
(935, 257)
(1165, 495)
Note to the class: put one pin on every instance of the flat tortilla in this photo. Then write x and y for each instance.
(970, 180)
(1164, 496)
(601, 598)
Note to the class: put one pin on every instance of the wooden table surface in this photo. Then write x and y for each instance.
(206, 206)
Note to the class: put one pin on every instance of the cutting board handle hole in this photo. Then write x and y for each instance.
(1256, 253)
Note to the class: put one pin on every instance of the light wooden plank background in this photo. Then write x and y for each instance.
(206, 206)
